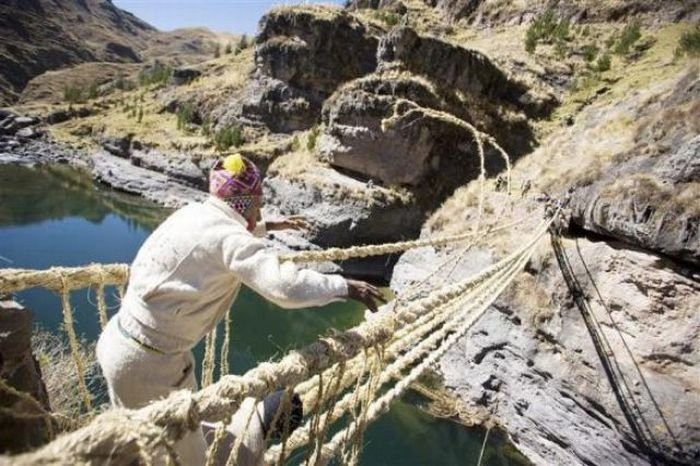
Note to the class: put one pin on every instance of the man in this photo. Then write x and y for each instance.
(185, 278)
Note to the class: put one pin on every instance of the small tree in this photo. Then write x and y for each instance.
(217, 51)
(228, 49)
(185, 115)
(140, 117)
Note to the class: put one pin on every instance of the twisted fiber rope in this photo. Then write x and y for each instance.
(403, 338)
(209, 362)
(300, 436)
(333, 254)
(382, 404)
(69, 327)
(58, 278)
(309, 388)
(221, 399)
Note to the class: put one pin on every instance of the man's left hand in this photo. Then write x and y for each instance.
(295, 222)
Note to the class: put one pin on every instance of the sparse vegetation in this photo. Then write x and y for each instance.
(590, 52)
(604, 62)
(629, 35)
(312, 138)
(228, 49)
(73, 94)
(387, 17)
(295, 145)
(217, 51)
(548, 28)
(156, 74)
(689, 44)
(227, 137)
(124, 84)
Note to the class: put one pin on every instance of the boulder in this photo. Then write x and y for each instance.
(176, 166)
(117, 145)
(28, 133)
(23, 422)
(182, 76)
(120, 174)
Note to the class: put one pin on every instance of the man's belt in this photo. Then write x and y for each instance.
(129, 336)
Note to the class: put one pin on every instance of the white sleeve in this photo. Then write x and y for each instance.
(259, 268)
(260, 229)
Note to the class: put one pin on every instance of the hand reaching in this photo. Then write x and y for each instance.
(295, 222)
(365, 293)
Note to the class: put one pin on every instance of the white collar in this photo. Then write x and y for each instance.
(225, 208)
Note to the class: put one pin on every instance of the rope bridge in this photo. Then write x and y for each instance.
(347, 379)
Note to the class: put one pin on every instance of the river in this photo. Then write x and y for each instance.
(57, 216)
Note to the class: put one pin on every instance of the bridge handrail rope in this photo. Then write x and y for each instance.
(401, 361)
(182, 411)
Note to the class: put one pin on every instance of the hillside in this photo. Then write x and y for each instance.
(43, 35)
(449, 116)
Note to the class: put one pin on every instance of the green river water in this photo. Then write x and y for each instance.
(57, 216)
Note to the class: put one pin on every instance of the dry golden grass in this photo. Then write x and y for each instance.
(61, 380)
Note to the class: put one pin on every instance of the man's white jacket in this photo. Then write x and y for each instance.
(188, 272)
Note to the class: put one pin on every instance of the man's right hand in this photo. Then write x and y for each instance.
(365, 293)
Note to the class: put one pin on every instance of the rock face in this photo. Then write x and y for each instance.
(302, 55)
(531, 363)
(650, 197)
(124, 176)
(401, 125)
(22, 426)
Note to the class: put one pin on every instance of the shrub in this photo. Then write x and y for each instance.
(124, 84)
(590, 51)
(604, 62)
(689, 44)
(140, 116)
(92, 91)
(629, 35)
(296, 145)
(72, 94)
(227, 137)
(312, 138)
(155, 74)
(185, 115)
(228, 49)
(217, 51)
(387, 17)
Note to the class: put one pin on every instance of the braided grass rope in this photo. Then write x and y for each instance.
(178, 413)
(69, 327)
(381, 405)
(487, 288)
(56, 278)
(352, 252)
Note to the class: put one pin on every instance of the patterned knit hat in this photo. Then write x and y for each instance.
(237, 181)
